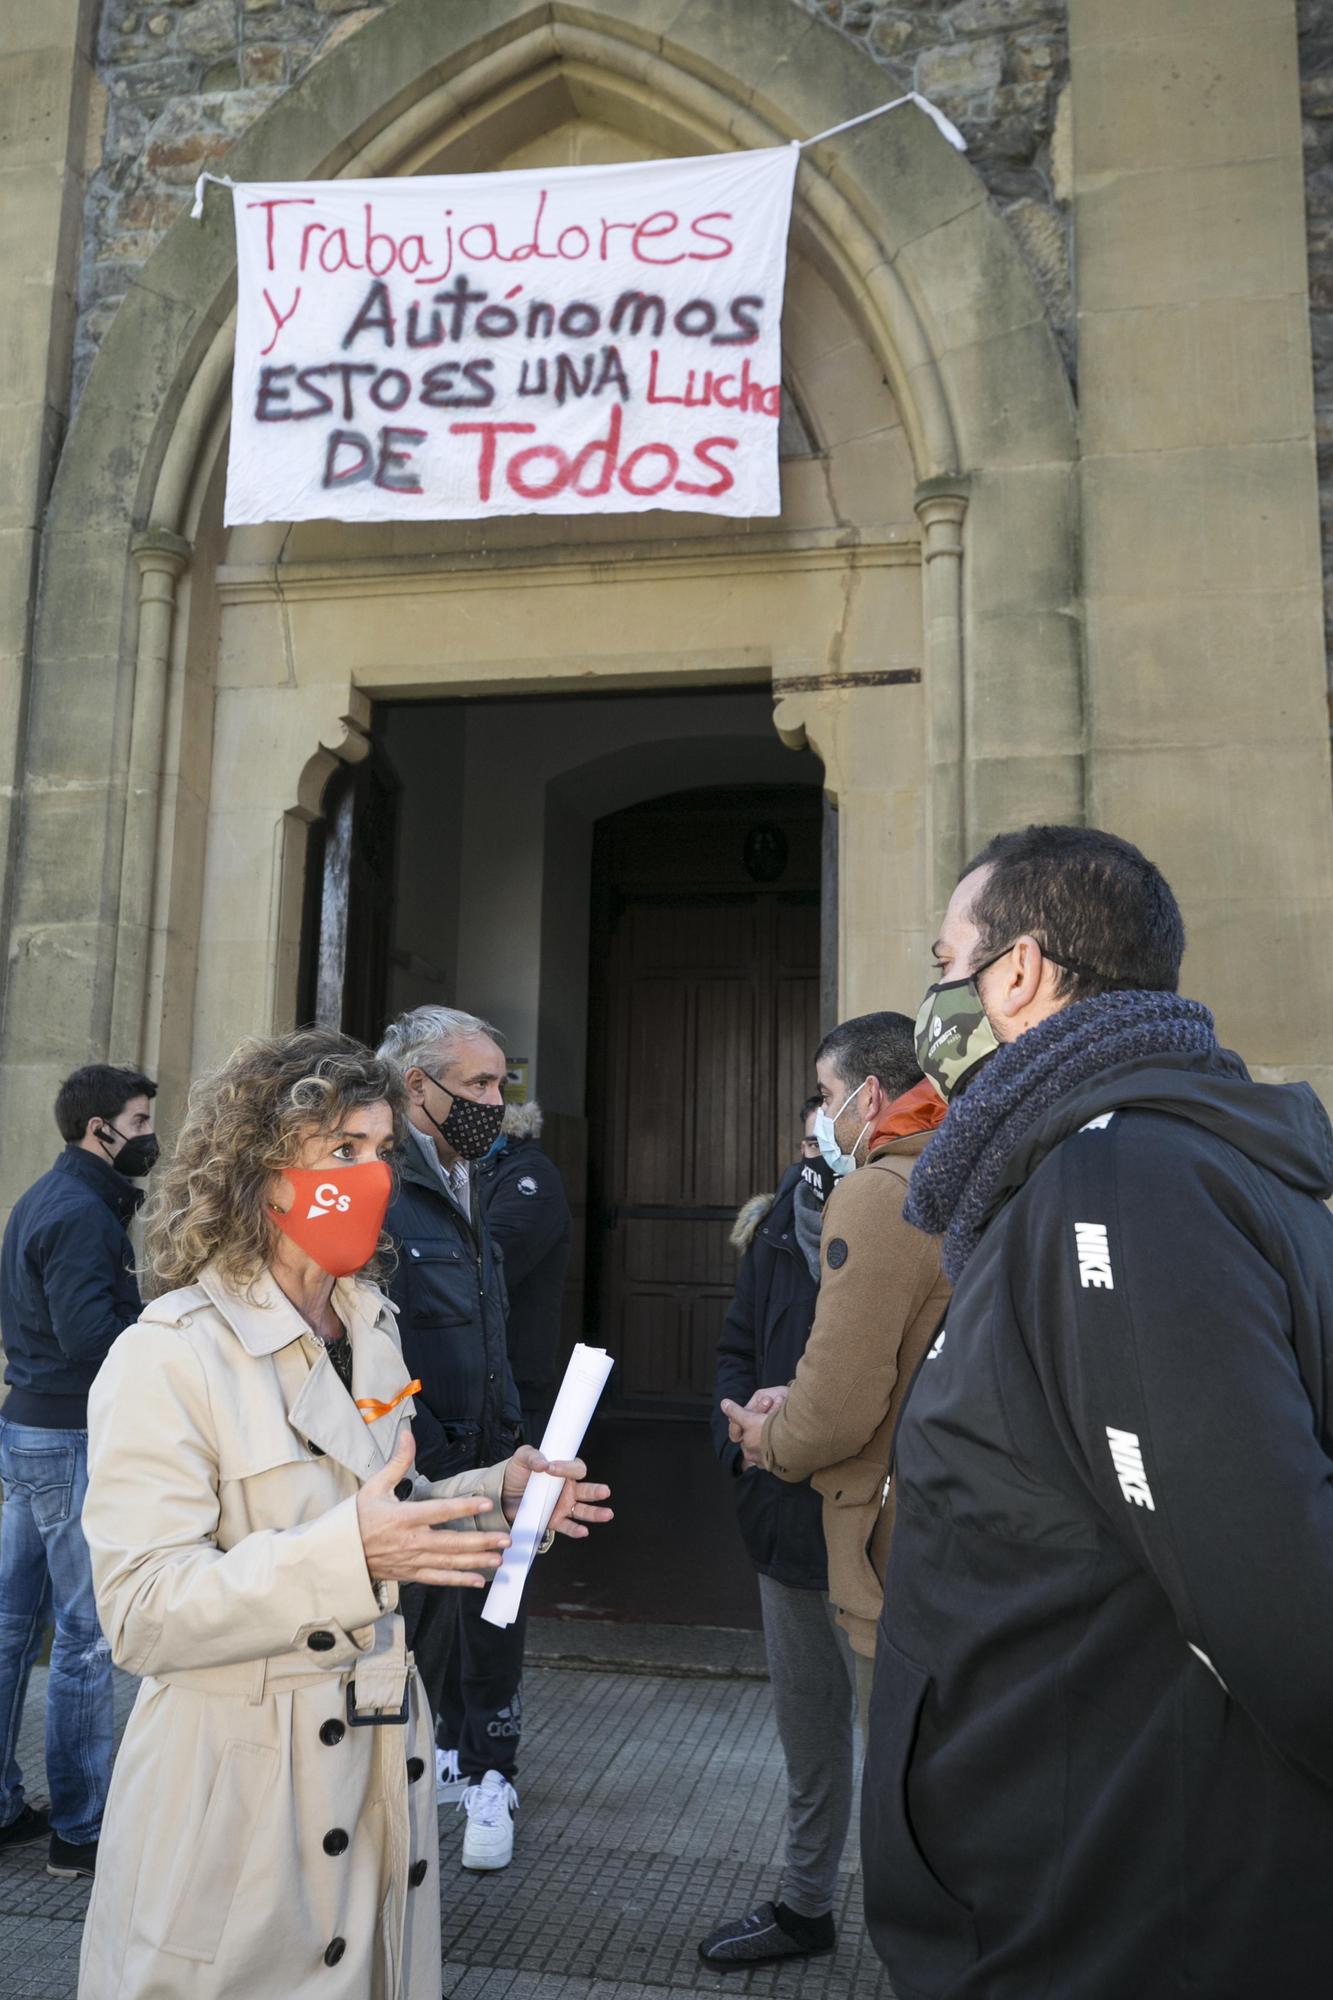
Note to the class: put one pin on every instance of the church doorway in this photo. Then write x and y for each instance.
(629, 886)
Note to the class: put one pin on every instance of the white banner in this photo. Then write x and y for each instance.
(564, 340)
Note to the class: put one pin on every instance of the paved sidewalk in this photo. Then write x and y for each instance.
(652, 1808)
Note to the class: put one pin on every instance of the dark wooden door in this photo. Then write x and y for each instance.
(344, 972)
(705, 1018)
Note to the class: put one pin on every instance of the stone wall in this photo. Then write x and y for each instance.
(999, 68)
(1315, 19)
(179, 80)
(183, 78)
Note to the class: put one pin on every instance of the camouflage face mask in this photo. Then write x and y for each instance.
(953, 1034)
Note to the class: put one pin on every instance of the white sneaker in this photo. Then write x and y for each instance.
(449, 1783)
(490, 1806)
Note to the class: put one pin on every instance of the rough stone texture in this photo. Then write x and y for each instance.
(1315, 23)
(184, 80)
(998, 68)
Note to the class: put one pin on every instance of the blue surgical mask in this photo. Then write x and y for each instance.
(834, 1158)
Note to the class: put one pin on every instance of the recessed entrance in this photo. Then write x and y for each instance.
(629, 886)
(705, 1009)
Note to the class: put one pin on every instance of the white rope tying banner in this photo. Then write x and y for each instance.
(197, 206)
(932, 111)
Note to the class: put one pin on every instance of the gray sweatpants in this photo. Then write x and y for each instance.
(812, 1678)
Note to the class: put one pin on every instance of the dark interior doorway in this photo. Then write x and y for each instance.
(704, 1009)
(682, 939)
(704, 1013)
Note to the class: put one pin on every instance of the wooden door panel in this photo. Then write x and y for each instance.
(684, 1249)
(727, 1058)
(656, 1106)
(651, 1330)
(708, 1017)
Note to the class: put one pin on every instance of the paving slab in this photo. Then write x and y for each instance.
(651, 1809)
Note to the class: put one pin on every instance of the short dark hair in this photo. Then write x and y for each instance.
(811, 1104)
(879, 1045)
(1087, 897)
(98, 1090)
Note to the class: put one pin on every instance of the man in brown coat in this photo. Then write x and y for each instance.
(881, 1297)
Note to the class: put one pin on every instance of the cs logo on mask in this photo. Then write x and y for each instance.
(328, 1201)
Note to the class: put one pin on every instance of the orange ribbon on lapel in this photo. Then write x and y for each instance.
(371, 1407)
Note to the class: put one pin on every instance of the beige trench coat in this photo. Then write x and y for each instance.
(258, 1841)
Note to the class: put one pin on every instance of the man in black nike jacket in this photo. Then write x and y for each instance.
(1101, 1747)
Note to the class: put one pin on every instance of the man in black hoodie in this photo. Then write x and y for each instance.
(1101, 1747)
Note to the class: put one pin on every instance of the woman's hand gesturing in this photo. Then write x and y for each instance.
(402, 1539)
(577, 1503)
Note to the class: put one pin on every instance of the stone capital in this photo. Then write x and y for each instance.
(160, 551)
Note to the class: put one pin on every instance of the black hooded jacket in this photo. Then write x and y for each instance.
(1101, 1746)
(523, 1199)
(762, 1340)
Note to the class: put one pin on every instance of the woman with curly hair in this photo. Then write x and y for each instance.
(251, 1513)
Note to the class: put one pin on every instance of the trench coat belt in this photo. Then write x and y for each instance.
(379, 1675)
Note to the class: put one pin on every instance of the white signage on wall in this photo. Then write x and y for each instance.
(560, 340)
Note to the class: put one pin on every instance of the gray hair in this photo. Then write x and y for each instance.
(430, 1032)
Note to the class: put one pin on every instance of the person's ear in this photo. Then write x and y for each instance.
(1028, 971)
(876, 1098)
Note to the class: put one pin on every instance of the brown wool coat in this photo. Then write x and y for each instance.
(881, 1295)
(255, 1844)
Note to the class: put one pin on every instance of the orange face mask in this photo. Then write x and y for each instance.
(337, 1213)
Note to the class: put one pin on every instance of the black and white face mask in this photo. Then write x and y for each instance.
(471, 1129)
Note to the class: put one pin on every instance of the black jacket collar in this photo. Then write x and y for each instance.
(413, 1169)
(119, 1194)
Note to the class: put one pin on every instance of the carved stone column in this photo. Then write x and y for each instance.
(162, 557)
(941, 506)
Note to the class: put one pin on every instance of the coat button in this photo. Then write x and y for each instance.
(335, 1841)
(315, 1450)
(335, 1951)
(415, 1767)
(331, 1732)
(403, 1490)
(321, 1642)
(416, 1874)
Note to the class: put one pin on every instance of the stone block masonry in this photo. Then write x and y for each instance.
(183, 80)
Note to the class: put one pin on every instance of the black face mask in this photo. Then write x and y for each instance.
(820, 1178)
(136, 1157)
(471, 1129)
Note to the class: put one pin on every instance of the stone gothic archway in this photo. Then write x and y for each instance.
(121, 731)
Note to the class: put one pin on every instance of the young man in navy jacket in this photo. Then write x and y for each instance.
(67, 1289)
(1101, 1741)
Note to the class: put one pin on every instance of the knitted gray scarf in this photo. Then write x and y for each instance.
(957, 1176)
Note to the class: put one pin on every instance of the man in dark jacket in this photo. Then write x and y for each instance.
(1101, 1749)
(809, 1663)
(449, 1290)
(527, 1213)
(67, 1290)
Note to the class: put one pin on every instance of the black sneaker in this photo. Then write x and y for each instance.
(30, 1825)
(67, 1862)
(764, 1936)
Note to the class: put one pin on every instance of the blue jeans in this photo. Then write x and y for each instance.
(45, 1572)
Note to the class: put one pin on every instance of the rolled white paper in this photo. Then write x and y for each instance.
(585, 1379)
